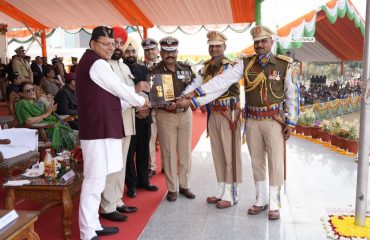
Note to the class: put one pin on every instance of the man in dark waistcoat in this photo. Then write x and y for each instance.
(98, 94)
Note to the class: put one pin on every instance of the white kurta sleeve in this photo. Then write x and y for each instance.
(196, 82)
(102, 74)
(222, 82)
(292, 97)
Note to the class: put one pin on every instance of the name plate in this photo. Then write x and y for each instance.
(162, 91)
(8, 218)
(68, 176)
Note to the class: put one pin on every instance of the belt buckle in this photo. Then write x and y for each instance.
(178, 110)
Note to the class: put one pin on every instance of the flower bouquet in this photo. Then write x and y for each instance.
(76, 159)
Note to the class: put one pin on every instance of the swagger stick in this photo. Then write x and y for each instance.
(233, 128)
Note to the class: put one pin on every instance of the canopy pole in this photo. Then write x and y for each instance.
(342, 70)
(300, 72)
(145, 30)
(364, 141)
(43, 43)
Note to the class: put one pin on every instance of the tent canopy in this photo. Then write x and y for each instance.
(337, 28)
(46, 14)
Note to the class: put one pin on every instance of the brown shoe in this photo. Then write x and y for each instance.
(187, 193)
(172, 196)
(212, 200)
(274, 214)
(223, 204)
(255, 210)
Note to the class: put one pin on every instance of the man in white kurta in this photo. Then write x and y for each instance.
(99, 85)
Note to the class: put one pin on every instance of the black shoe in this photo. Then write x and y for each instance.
(114, 216)
(107, 231)
(126, 209)
(131, 192)
(95, 238)
(148, 187)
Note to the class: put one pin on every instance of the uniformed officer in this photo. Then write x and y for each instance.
(21, 66)
(175, 124)
(219, 117)
(151, 52)
(268, 83)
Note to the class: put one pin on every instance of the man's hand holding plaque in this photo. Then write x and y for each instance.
(162, 91)
(182, 102)
(142, 86)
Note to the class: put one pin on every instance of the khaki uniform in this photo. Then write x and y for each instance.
(24, 70)
(175, 130)
(220, 133)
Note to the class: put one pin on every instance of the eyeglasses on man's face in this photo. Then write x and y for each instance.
(108, 44)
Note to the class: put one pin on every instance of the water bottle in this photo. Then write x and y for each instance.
(49, 166)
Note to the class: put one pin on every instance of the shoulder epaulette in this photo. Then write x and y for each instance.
(206, 62)
(285, 58)
(226, 61)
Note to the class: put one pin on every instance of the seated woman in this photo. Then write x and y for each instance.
(50, 84)
(30, 111)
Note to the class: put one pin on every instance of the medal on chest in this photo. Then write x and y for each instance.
(274, 75)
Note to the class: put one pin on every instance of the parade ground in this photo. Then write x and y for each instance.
(319, 181)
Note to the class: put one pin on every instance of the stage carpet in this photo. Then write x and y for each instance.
(50, 226)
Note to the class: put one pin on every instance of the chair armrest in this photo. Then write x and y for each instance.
(41, 128)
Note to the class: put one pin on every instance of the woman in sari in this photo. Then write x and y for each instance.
(29, 111)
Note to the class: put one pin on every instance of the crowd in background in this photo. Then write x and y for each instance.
(318, 93)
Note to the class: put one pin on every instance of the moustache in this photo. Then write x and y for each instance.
(170, 58)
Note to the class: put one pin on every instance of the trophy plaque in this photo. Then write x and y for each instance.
(161, 89)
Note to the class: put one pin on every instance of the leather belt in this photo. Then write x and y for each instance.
(177, 110)
(263, 114)
(222, 108)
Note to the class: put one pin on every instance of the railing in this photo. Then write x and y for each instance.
(334, 108)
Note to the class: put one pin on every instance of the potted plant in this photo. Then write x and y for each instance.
(315, 130)
(350, 135)
(335, 127)
(307, 120)
(325, 130)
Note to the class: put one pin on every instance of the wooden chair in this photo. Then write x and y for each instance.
(19, 162)
(4, 82)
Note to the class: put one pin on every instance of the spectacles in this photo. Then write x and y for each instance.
(29, 90)
(109, 44)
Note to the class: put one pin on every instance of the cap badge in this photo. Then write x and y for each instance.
(147, 42)
(257, 30)
(170, 41)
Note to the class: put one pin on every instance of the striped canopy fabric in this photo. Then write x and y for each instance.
(337, 29)
(48, 14)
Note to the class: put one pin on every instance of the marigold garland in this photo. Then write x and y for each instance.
(343, 227)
